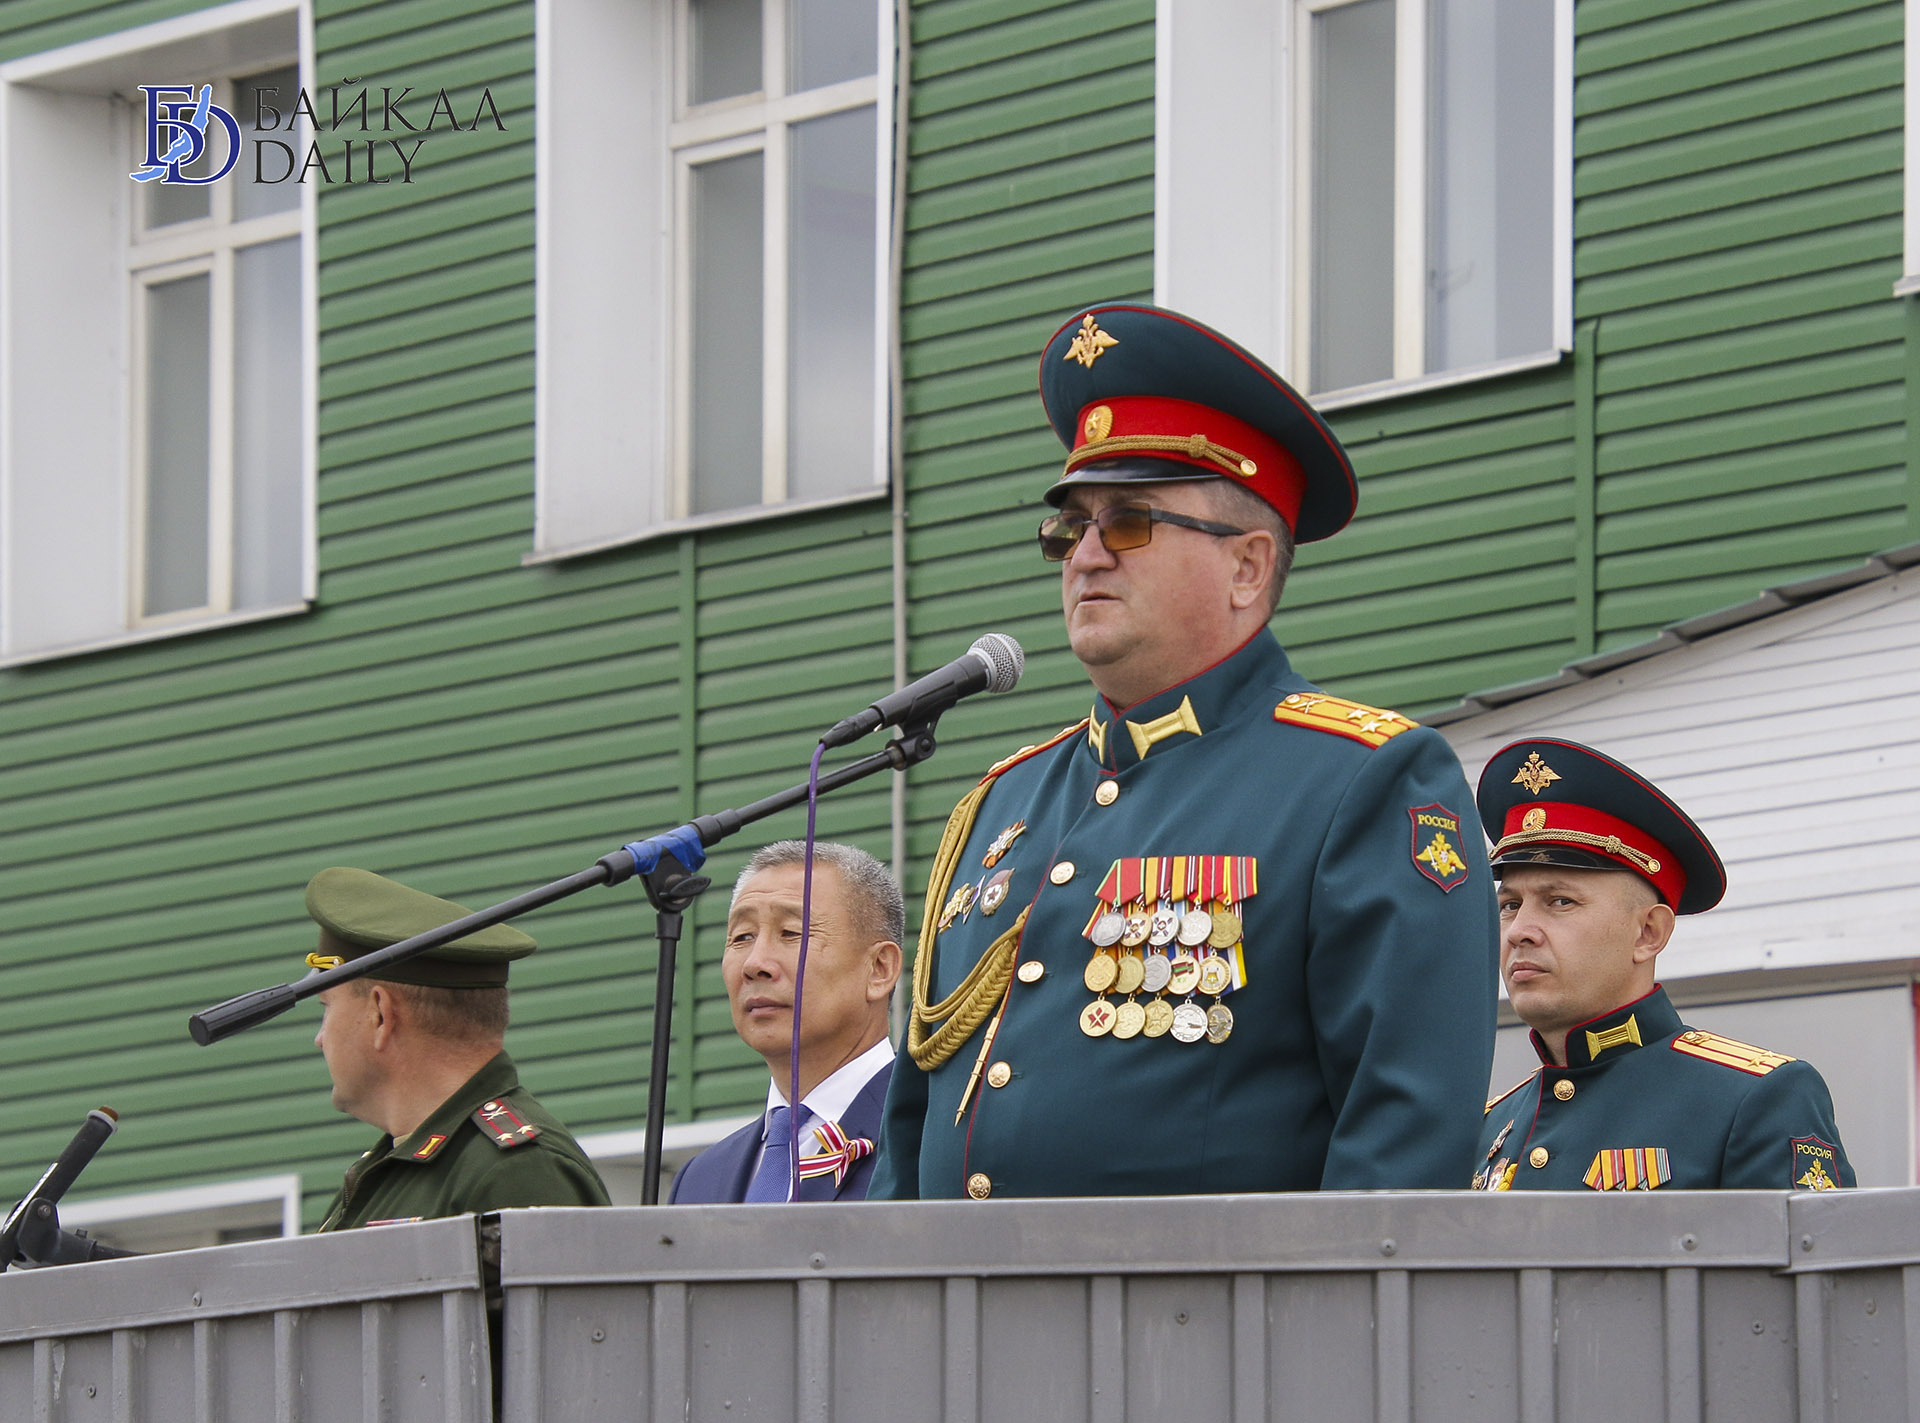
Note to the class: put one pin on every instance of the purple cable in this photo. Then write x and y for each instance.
(800, 972)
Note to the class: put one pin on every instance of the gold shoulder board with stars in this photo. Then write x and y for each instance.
(1729, 1053)
(1370, 726)
(502, 1125)
(999, 767)
(1493, 1102)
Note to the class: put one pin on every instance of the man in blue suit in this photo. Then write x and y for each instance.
(853, 961)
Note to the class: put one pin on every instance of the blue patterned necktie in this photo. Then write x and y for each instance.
(770, 1181)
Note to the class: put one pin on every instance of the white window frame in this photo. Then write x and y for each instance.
(202, 245)
(613, 268)
(186, 1217)
(1225, 68)
(66, 85)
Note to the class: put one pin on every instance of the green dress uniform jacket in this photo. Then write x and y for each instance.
(1365, 1023)
(1647, 1102)
(489, 1147)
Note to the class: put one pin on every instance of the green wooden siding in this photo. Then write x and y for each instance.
(1734, 414)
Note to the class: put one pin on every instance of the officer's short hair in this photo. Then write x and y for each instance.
(459, 1015)
(1234, 504)
(873, 895)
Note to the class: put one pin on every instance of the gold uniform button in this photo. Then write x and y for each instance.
(1061, 872)
(1032, 971)
(1107, 792)
(1563, 1089)
(979, 1185)
(999, 1075)
(1537, 1157)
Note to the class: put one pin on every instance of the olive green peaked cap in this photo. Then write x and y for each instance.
(359, 911)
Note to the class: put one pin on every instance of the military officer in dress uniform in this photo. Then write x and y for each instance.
(416, 1049)
(1229, 933)
(1594, 862)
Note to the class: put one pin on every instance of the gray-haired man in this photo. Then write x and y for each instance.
(858, 919)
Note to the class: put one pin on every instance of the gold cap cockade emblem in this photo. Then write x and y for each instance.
(1089, 342)
(1536, 775)
(1534, 819)
(1099, 421)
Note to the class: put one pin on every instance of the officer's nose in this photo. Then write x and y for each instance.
(1091, 552)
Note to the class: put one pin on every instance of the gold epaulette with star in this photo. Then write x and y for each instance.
(998, 768)
(1371, 726)
(1493, 1102)
(1729, 1053)
(503, 1126)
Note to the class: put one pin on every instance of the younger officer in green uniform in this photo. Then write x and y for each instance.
(1229, 933)
(416, 1050)
(1593, 863)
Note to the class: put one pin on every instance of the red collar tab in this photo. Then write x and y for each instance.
(1212, 441)
(1582, 827)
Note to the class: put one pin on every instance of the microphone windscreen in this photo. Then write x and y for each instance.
(1005, 660)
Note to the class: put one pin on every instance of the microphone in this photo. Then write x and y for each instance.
(94, 1131)
(993, 664)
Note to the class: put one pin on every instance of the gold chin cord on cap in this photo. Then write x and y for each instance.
(1197, 447)
(1607, 844)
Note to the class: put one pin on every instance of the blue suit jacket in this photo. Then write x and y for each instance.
(720, 1174)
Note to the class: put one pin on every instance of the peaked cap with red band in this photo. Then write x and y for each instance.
(1139, 394)
(1560, 803)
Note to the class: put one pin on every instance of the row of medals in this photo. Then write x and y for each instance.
(1116, 967)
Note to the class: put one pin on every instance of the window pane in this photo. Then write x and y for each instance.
(727, 246)
(1490, 181)
(161, 204)
(267, 492)
(830, 40)
(830, 306)
(1352, 180)
(725, 39)
(269, 153)
(178, 450)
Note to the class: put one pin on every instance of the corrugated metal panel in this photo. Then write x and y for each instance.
(1030, 192)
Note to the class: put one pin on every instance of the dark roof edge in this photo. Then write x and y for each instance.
(1774, 600)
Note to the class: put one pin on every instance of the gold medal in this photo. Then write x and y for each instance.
(955, 903)
(1226, 929)
(1196, 925)
(1183, 973)
(1155, 972)
(1189, 1023)
(1159, 1018)
(1215, 976)
(1096, 1019)
(1129, 974)
(1101, 971)
(1219, 1023)
(1128, 1019)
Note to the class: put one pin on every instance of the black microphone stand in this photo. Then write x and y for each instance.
(671, 889)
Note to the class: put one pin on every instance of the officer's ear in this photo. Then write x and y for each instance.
(1655, 928)
(1256, 550)
(384, 1009)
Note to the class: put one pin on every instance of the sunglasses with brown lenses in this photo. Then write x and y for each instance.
(1122, 527)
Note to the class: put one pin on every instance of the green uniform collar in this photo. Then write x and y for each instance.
(427, 1140)
(1186, 711)
(1636, 1024)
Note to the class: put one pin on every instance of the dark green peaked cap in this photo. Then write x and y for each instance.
(359, 911)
